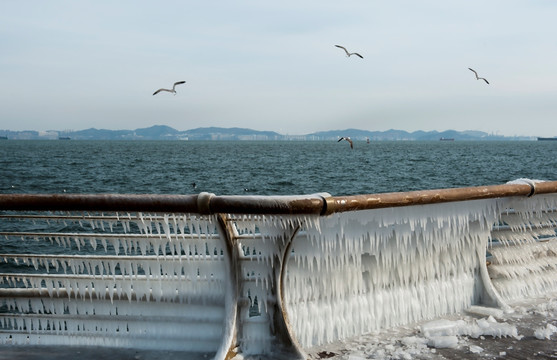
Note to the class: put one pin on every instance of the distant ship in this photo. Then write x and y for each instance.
(3, 138)
(545, 138)
(64, 138)
(446, 139)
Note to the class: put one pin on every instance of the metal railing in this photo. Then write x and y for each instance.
(207, 203)
(264, 274)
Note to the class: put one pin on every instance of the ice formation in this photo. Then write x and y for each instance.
(261, 241)
(363, 271)
(184, 281)
(156, 282)
(476, 328)
(368, 270)
(523, 261)
(545, 333)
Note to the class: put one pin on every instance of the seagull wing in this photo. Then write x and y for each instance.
(343, 48)
(339, 140)
(159, 90)
(358, 55)
(351, 144)
(477, 77)
(177, 83)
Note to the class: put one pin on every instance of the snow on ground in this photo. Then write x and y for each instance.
(481, 332)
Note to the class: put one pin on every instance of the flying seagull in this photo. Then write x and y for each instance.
(347, 139)
(348, 54)
(477, 77)
(173, 88)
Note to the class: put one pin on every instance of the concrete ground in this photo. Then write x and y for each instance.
(390, 344)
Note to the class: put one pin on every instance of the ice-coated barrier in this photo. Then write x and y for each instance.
(261, 275)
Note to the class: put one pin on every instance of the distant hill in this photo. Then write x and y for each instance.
(163, 132)
(217, 133)
(157, 132)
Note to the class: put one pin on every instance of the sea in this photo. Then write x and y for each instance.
(267, 167)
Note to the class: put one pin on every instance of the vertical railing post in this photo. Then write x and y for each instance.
(230, 333)
(235, 330)
(284, 321)
(493, 298)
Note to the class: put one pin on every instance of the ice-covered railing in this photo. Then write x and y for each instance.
(133, 280)
(523, 252)
(221, 275)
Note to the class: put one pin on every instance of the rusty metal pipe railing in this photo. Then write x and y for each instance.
(206, 203)
(268, 204)
(375, 201)
(99, 202)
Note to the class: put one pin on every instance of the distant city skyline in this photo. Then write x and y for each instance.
(163, 132)
(275, 67)
(280, 131)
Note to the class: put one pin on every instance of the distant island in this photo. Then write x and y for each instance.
(162, 132)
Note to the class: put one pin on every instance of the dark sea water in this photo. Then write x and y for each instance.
(267, 168)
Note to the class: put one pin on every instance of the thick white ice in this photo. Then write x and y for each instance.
(369, 270)
(167, 292)
(545, 333)
(166, 277)
(523, 261)
(376, 269)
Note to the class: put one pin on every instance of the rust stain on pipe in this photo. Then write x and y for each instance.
(376, 201)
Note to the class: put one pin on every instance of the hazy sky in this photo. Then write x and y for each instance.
(72, 65)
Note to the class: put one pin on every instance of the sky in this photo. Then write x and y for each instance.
(74, 65)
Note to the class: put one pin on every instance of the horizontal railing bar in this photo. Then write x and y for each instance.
(94, 334)
(110, 235)
(253, 258)
(206, 203)
(62, 317)
(524, 227)
(91, 334)
(498, 243)
(157, 217)
(545, 187)
(203, 203)
(376, 201)
(165, 258)
(135, 277)
(62, 293)
(146, 217)
(173, 236)
(267, 204)
(100, 202)
(514, 212)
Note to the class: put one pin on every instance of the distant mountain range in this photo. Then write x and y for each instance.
(162, 132)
